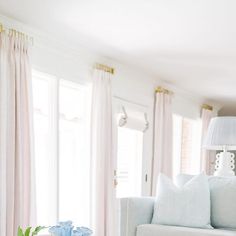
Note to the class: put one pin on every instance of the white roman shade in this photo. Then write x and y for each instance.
(133, 120)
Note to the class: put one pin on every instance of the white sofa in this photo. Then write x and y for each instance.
(136, 213)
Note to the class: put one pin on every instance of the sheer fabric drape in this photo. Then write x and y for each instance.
(16, 147)
(162, 159)
(207, 157)
(102, 172)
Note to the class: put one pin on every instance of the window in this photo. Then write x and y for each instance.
(74, 164)
(129, 162)
(62, 150)
(186, 145)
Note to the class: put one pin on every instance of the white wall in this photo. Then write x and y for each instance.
(129, 84)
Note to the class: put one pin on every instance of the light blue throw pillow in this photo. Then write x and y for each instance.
(223, 199)
(188, 205)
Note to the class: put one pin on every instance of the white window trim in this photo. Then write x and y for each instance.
(54, 115)
(147, 138)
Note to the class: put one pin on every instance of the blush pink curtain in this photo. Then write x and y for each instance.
(162, 159)
(102, 159)
(16, 149)
(207, 157)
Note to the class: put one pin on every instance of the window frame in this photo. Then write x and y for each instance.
(196, 139)
(139, 137)
(54, 130)
(147, 150)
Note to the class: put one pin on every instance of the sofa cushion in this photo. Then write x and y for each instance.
(187, 206)
(223, 199)
(163, 230)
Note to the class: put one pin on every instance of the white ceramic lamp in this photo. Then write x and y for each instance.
(221, 135)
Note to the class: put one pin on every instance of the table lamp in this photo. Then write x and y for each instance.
(221, 135)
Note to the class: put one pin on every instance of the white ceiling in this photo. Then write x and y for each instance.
(188, 43)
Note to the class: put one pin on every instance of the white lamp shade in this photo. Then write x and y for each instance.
(221, 133)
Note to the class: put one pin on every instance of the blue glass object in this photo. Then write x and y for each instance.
(55, 231)
(82, 231)
(66, 229)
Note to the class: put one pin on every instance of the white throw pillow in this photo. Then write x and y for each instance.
(223, 199)
(187, 206)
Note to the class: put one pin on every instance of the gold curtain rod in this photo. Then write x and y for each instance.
(105, 68)
(163, 90)
(207, 107)
(13, 32)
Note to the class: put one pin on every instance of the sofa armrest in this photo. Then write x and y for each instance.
(133, 212)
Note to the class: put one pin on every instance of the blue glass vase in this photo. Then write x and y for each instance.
(82, 231)
(63, 229)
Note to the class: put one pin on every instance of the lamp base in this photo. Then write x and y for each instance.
(224, 164)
